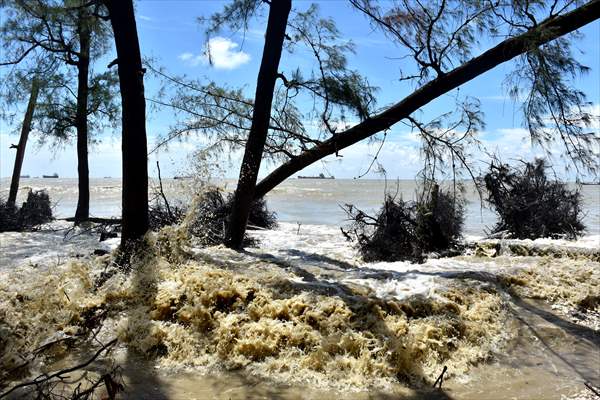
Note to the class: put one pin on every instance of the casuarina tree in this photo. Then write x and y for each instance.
(72, 33)
(438, 44)
(261, 115)
(134, 143)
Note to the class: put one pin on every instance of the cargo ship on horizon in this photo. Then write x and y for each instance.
(320, 176)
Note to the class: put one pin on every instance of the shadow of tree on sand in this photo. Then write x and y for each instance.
(521, 309)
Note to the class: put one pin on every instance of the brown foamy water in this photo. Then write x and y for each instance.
(214, 323)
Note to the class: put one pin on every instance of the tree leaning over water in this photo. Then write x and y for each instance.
(552, 105)
(228, 117)
(436, 42)
(47, 81)
(20, 147)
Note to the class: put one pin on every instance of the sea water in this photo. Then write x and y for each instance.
(537, 355)
(299, 201)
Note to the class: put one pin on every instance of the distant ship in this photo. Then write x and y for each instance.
(183, 177)
(590, 183)
(54, 175)
(24, 176)
(321, 176)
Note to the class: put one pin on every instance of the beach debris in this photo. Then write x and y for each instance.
(440, 380)
(530, 204)
(592, 388)
(408, 230)
(207, 219)
(35, 211)
(45, 384)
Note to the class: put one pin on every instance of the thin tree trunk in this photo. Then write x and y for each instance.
(25, 129)
(81, 123)
(265, 85)
(505, 51)
(134, 145)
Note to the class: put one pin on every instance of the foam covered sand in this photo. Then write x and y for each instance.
(287, 316)
(196, 314)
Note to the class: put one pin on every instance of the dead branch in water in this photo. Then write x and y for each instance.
(97, 220)
(44, 380)
(591, 388)
(162, 192)
(440, 378)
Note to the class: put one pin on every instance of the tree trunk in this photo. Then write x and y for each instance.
(81, 123)
(505, 51)
(265, 86)
(133, 142)
(25, 129)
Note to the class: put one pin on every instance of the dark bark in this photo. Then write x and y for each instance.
(505, 51)
(98, 220)
(81, 123)
(25, 129)
(134, 144)
(265, 85)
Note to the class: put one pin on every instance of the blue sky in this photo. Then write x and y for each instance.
(170, 33)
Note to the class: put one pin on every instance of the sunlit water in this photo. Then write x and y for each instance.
(306, 201)
(547, 356)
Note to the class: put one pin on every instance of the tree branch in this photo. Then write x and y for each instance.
(544, 32)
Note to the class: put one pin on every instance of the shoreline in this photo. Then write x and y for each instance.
(318, 258)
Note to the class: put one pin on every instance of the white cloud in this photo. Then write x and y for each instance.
(145, 18)
(186, 56)
(221, 52)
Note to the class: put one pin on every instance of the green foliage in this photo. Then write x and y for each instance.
(36, 210)
(55, 113)
(555, 111)
(41, 40)
(530, 205)
(225, 115)
(407, 230)
(332, 83)
(234, 15)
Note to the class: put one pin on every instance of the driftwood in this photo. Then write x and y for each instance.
(407, 230)
(440, 379)
(35, 211)
(591, 388)
(208, 223)
(531, 204)
(97, 220)
(162, 192)
(61, 375)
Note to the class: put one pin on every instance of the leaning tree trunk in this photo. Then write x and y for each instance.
(265, 85)
(133, 141)
(81, 123)
(25, 129)
(544, 32)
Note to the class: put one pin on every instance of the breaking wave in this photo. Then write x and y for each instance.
(314, 314)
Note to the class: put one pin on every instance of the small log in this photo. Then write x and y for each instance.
(97, 220)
